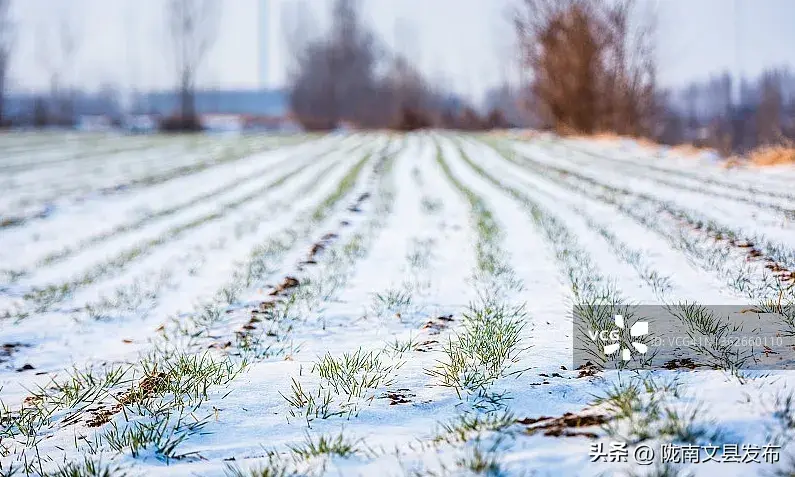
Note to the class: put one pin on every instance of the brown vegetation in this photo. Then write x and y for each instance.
(411, 119)
(348, 77)
(772, 156)
(594, 72)
(593, 69)
(689, 150)
(567, 425)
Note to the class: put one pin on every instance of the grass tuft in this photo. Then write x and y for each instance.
(391, 301)
(484, 350)
(89, 468)
(274, 467)
(339, 446)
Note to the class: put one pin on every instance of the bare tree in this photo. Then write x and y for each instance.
(592, 64)
(56, 49)
(768, 117)
(69, 44)
(348, 76)
(194, 28)
(690, 96)
(762, 114)
(506, 101)
(407, 98)
(334, 79)
(6, 42)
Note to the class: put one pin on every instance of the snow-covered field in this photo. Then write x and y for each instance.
(382, 304)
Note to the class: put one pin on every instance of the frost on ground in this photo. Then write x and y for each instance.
(382, 304)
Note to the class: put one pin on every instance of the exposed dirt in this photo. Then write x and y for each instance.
(11, 222)
(567, 425)
(146, 388)
(426, 346)
(279, 291)
(221, 345)
(7, 350)
(554, 375)
(356, 207)
(286, 284)
(436, 325)
(318, 247)
(752, 252)
(400, 396)
(588, 369)
(264, 311)
(102, 416)
(685, 363)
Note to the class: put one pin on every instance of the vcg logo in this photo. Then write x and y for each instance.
(613, 336)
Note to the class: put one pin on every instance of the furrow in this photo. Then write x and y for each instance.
(41, 298)
(46, 206)
(117, 232)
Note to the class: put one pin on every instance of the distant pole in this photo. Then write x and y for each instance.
(130, 39)
(396, 36)
(264, 42)
(737, 45)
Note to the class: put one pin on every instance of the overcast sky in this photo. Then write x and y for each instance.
(465, 42)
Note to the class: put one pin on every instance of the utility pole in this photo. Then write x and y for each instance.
(132, 38)
(737, 50)
(264, 43)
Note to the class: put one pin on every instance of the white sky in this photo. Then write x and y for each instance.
(465, 42)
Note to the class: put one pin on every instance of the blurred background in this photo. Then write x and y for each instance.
(715, 73)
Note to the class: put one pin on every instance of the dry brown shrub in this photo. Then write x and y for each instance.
(773, 156)
(600, 137)
(646, 143)
(592, 63)
(733, 162)
(689, 150)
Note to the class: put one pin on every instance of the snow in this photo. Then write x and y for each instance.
(386, 263)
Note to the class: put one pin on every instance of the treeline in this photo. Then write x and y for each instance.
(730, 117)
(5, 53)
(192, 27)
(592, 68)
(592, 71)
(348, 77)
(590, 63)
